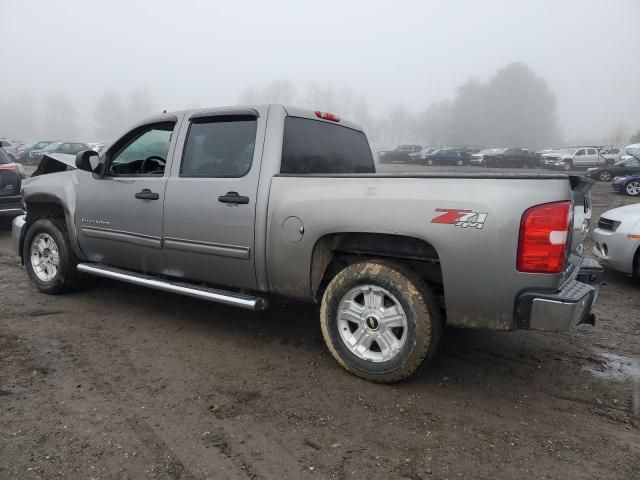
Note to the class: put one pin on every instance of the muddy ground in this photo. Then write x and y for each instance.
(119, 382)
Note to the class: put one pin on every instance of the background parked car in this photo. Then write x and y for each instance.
(11, 175)
(511, 157)
(576, 157)
(478, 158)
(97, 147)
(10, 148)
(27, 148)
(399, 153)
(629, 184)
(622, 168)
(419, 156)
(446, 156)
(70, 148)
(617, 239)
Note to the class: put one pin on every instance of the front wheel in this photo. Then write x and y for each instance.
(430, 163)
(48, 257)
(568, 165)
(380, 320)
(633, 188)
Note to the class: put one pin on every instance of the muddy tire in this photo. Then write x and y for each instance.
(48, 257)
(380, 320)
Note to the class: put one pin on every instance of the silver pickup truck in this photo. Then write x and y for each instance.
(239, 205)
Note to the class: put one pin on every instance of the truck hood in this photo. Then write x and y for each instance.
(55, 162)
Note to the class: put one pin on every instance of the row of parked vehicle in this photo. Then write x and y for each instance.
(32, 152)
(608, 161)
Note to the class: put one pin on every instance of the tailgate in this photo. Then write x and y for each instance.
(9, 183)
(581, 187)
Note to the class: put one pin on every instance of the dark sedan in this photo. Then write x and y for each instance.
(446, 156)
(624, 167)
(629, 184)
(511, 157)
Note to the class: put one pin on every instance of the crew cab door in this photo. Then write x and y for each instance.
(119, 210)
(210, 199)
(592, 158)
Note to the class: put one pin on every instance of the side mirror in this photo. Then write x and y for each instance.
(84, 160)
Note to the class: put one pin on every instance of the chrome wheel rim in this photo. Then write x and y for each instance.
(633, 188)
(567, 166)
(604, 176)
(372, 323)
(45, 257)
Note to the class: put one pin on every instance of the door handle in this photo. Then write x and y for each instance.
(147, 194)
(233, 197)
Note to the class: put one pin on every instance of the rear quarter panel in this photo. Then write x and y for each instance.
(478, 265)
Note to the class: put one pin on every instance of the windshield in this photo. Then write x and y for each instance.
(52, 146)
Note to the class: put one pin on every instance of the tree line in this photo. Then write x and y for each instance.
(514, 107)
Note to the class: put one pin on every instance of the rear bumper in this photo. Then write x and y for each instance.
(11, 206)
(571, 306)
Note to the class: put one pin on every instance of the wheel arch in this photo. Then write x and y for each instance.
(44, 205)
(334, 251)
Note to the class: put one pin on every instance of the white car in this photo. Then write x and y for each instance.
(617, 239)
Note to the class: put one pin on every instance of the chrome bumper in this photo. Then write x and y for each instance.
(17, 233)
(571, 306)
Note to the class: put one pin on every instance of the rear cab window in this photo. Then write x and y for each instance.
(319, 147)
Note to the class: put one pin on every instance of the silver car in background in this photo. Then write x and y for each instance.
(617, 239)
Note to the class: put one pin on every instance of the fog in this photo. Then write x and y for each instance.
(77, 67)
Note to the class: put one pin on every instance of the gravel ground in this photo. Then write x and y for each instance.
(119, 382)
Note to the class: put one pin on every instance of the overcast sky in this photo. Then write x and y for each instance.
(396, 52)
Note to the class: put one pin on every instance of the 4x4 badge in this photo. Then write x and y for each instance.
(460, 218)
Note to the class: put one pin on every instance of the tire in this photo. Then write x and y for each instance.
(568, 165)
(415, 341)
(632, 188)
(430, 163)
(460, 163)
(45, 240)
(604, 176)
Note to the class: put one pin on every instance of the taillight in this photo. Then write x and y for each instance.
(544, 238)
(327, 116)
(11, 166)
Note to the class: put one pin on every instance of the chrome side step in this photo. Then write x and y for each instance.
(204, 293)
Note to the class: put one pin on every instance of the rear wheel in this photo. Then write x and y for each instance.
(568, 165)
(380, 320)
(604, 176)
(48, 257)
(633, 188)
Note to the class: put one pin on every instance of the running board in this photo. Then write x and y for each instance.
(204, 293)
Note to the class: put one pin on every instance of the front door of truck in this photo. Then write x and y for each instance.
(210, 199)
(119, 212)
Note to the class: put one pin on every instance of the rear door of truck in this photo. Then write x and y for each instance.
(210, 199)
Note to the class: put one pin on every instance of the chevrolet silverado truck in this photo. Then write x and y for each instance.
(242, 205)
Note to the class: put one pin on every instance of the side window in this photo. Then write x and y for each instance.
(580, 152)
(314, 146)
(592, 151)
(143, 153)
(219, 147)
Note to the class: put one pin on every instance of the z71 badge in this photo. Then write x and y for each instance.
(460, 218)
